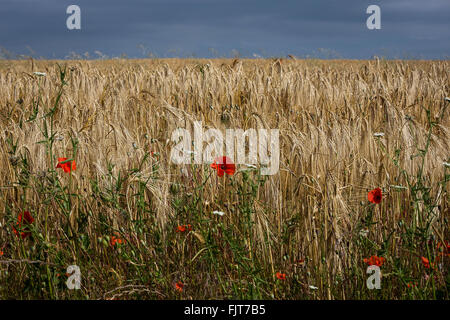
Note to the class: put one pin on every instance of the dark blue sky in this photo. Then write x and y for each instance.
(208, 28)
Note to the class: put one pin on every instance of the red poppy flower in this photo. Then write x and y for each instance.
(425, 262)
(24, 218)
(115, 240)
(375, 261)
(179, 286)
(67, 166)
(1, 253)
(443, 249)
(184, 227)
(181, 228)
(224, 165)
(281, 276)
(375, 195)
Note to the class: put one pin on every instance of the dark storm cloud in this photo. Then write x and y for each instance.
(411, 28)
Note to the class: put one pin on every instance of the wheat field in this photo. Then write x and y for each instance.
(345, 128)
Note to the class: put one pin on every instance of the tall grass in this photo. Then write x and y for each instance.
(311, 221)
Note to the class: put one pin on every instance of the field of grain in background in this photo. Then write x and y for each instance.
(311, 221)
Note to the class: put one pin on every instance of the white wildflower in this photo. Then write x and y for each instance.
(313, 287)
(219, 213)
(446, 164)
(40, 74)
(378, 134)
